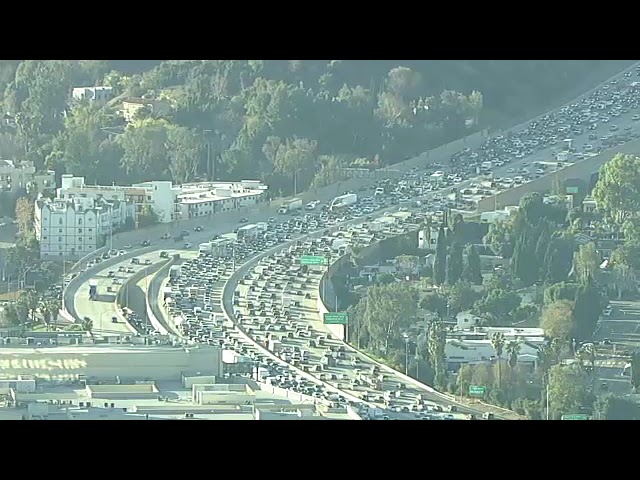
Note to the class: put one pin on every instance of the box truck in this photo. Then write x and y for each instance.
(175, 271)
(290, 205)
(93, 289)
(344, 201)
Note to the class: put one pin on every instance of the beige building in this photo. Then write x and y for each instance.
(15, 176)
(130, 107)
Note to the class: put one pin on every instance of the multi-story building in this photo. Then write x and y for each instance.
(208, 198)
(159, 195)
(130, 107)
(73, 228)
(98, 95)
(15, 176)
(169, 202)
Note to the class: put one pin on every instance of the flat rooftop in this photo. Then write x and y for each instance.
(172, 402)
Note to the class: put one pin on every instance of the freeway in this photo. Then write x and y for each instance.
(230, 221)
(103, 309)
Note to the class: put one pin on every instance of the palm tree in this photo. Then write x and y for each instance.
(497, 340)
(87, 325)
(513, 350)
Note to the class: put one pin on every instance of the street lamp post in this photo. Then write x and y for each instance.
(406, 351)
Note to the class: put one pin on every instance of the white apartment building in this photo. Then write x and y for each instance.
(100, 95)
(169, 202)
(208, 198)
(14, 176)
(73, 228)
(159, 195)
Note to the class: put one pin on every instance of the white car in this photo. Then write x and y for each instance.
(635, 118)
(511, 170)
(188, 245)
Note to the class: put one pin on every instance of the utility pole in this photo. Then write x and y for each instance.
(210, 174)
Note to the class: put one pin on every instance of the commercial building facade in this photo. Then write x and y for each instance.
(169, 202)
(208, 198)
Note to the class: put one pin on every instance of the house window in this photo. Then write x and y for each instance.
(79, 247)
(59, 239)
(59, 221)
(79, 239)
(44, 238)
(91, 229)
(90, 238)
(59, 230)
(79, 230)
(79, 221)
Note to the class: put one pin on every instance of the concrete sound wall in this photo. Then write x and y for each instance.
(581, 170)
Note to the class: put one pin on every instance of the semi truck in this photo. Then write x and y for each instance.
(175, 272)
(205, 248)
(344, 201)
(290, 205)
(93, 289)
(248, 232)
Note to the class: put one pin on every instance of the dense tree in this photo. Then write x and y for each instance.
(184, 149)
(440, 260)
(455, 264)
(617, 192)
(460, 296)
(500, 238)
(524, 265)
(586, 262)
(558, 259)
(435, 303)
(472, 270)
(567, 390)
(557, 319)
(560, 291)
(586, 310)
(499, 304)
(145, 150)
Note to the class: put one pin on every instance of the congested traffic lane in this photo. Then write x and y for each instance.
(194, 309)
(295, 324)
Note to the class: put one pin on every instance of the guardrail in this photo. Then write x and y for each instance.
(149, 297)
(133, 279)
(75, 283)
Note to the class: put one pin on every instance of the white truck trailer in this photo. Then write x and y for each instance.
(344, 201)
(290, 205)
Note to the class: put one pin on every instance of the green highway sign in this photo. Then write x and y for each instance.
(575, 416)
(336, 318)
(313, 260)
(477, 391)
(572, 190)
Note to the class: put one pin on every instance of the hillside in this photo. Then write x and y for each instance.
(293, 123)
